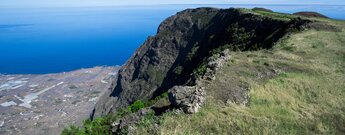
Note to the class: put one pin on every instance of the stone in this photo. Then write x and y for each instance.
(188, 98)
(215, 63)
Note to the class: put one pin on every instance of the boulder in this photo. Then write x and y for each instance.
(188, 98)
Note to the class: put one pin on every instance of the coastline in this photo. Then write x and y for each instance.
(46, 103)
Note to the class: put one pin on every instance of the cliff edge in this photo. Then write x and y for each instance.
(229, 71)
(182, 45)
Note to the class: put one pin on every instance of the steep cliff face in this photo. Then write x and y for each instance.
(176, 55)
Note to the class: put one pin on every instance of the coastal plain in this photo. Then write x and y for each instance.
(47, 103)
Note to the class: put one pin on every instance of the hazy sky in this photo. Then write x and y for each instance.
(69, 3)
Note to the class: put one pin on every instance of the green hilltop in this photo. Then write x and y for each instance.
(297, 86)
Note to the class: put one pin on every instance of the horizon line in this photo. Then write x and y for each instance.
(146, 5)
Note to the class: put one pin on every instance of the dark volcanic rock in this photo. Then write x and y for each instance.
(310, 14)
(183, 43)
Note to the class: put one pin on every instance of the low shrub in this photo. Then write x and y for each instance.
(136, 106)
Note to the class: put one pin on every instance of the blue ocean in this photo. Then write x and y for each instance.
(50, 40)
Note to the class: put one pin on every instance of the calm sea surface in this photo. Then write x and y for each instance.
(49, 40)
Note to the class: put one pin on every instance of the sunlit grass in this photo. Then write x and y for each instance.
(307, 98)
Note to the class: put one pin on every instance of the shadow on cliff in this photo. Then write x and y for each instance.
(207, 32)
(230, 29)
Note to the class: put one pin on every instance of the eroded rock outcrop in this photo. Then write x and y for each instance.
(188, 98)
(191, 98)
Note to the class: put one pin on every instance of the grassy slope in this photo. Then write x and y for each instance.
(307, 97)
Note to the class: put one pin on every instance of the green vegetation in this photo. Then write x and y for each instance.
(102, 125)
(201, 69)
(151, 102)
(296, 87)
(305, 96)
(240, 40)
(136, 106)
(275, 15)
(99, 126)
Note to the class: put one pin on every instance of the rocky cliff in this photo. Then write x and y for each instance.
(178, 53)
